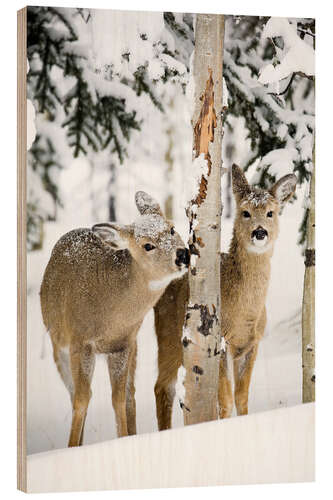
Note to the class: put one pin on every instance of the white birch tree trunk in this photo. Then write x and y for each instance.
(308, 313)
(201, 336)
(168, 207)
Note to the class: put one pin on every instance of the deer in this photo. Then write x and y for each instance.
(96, 290)
(245, 276)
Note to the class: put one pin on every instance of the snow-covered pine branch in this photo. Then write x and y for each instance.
(296, 56)
(96, 74)
(278, 118)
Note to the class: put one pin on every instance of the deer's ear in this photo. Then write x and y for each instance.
(240, 186)
(146, 204)
(115, 235)
(284, 188)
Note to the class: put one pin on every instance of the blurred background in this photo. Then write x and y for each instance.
(109, 113)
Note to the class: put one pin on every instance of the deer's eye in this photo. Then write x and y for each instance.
(148, 247)
(172, 231)
(270, 214)
(246, 214)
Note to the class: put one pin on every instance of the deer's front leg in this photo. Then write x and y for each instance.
(130, 393)
(82, 367)
(169, 319)
(225, 388)
(169, 360)
(243, 367)
(118, 364)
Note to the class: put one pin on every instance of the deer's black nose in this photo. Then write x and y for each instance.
(260, 233)
(183, 256)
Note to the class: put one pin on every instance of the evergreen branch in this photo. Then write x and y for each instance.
(170, 20)
(287, 87)
(141, 85)
(57, 13)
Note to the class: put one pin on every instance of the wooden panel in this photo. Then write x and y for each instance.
(21, 246)
(270, 447)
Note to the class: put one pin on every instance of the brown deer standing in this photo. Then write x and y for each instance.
(245, 274)
(96, 290)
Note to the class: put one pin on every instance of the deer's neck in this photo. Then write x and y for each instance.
(144, 282)
(248, 263)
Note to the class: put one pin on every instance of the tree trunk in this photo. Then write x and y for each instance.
(112, 194)
(201, 337)
(229, 153)
(168, 208)
(308, 315)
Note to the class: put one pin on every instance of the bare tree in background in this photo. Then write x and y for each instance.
(229, 153)
(308, 313)
(201, 339)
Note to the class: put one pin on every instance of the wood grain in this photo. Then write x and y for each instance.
(21, 248)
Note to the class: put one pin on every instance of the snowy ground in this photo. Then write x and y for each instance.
(277, 375)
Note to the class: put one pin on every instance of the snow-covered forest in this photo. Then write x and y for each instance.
(109, 113)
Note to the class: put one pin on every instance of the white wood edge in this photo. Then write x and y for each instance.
(270, 447)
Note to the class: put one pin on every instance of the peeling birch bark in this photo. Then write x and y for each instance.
(201, 336)
(308, 313)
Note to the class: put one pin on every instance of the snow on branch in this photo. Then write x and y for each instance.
(297, 56)
(279, 161)
(111, 88)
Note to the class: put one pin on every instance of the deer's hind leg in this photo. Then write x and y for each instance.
(82, 367)
(62, 360)
(243, 368)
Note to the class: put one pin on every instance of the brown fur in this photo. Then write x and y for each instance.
(96, 290)
(245, 277)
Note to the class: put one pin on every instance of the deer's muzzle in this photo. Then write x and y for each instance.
(260, 233)
(183, 256)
